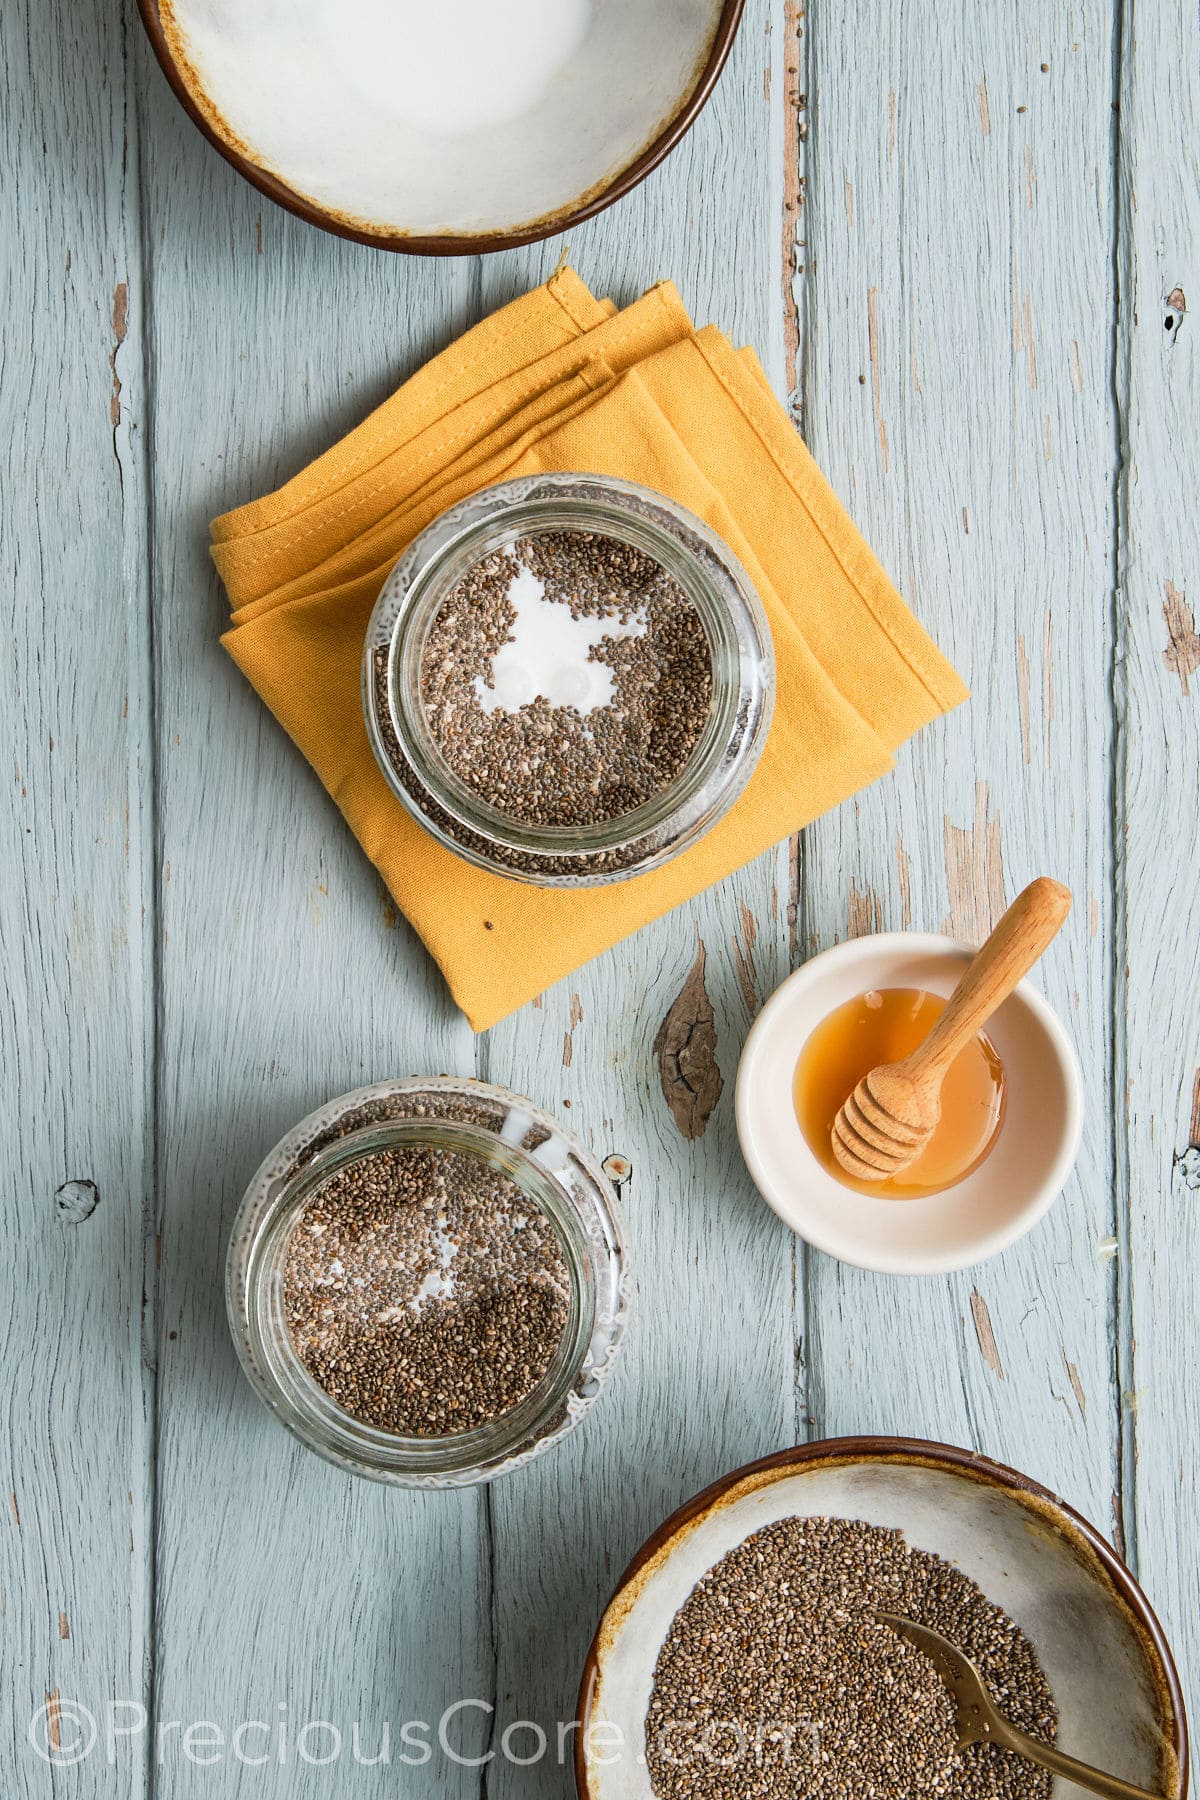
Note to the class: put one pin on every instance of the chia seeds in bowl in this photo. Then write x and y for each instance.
(427, 1282)
(759, 1603)
(567, 679)
(778, 1670)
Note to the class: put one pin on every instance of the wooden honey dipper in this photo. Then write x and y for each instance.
(893, 1112)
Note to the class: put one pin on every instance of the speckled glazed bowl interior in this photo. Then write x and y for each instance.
(614, 109)
(1098, 1641)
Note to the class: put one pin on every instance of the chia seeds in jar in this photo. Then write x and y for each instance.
(427, 1282)
(567, 679)
(424, 1291)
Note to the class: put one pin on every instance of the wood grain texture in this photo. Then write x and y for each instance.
(1158, 802)
(958, 396)
(77, 992)
(922, 220)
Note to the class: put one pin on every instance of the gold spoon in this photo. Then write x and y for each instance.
(978, 1722)
(892, 1114)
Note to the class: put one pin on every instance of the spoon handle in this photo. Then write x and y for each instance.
(1028, 926)
(1082, 1774)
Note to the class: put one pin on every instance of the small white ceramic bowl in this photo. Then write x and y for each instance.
(1103, 1651)
(1004, 1197)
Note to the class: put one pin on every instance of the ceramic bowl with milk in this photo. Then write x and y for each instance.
(462, 126)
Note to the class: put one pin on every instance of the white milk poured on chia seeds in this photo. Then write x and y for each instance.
(547, 655)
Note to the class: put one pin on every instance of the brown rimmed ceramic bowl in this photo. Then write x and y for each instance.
(609, 116)
(1103, 1651)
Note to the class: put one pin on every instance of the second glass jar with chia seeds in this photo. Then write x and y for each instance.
(568, 679)
(427, 1281)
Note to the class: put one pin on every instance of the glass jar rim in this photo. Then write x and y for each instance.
(730, 612)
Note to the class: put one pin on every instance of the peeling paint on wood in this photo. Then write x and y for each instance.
(793, 186)
(793, 904)
(120, 313)
(569, 1034)
(864, 912)
(1031, 367)
(876, 377)
(1176, 308)
(1187, 1160)
(904, 877)
(1182, 654)
(743, 958)
(1023, 694)
(686, 1053)
(974, 872)
(985, 1335)
(1076, 1386)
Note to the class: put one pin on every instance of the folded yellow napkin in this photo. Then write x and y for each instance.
(560, 381)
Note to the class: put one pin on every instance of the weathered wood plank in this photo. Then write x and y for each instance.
(285, 978)
(708, 1381)
(958, 394)
(1158, 799)
(75, 1033)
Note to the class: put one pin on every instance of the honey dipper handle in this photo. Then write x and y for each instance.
(1017, 942)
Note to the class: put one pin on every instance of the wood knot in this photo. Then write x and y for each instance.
(76, 1201)
(686, 1052)
(1176, 306)
(618, 1169)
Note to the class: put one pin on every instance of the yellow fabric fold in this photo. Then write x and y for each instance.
(560, 381)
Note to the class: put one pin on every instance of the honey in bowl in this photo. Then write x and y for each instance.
(882, 1027)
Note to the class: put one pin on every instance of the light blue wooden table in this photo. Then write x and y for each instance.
(966, 240)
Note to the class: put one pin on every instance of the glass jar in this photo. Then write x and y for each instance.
(508, 1134)
(731, 737)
